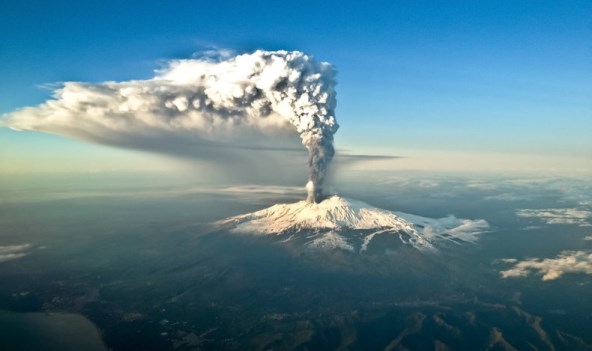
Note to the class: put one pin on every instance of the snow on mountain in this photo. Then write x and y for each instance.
(340, 223)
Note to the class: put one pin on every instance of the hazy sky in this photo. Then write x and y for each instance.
(448, 84)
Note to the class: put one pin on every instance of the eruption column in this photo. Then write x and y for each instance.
(218, 101)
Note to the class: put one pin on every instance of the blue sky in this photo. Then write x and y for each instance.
(415, 77)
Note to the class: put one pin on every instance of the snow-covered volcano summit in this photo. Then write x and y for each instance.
(352, 225)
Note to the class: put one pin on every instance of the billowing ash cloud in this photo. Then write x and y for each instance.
(239, 102)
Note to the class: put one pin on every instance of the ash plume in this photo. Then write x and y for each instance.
(252, 99)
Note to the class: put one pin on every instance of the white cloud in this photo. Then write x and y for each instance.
(589, 238)
(508, 197)
(482, 185)
(13, 252)
(407, 182)
(552, 268)
(558, 215)
(577, 191)
(532, 227)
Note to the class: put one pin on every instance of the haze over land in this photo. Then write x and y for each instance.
(393, 175)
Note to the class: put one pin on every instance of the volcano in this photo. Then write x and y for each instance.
(351, 225)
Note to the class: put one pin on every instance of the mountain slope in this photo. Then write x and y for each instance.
(351, 225)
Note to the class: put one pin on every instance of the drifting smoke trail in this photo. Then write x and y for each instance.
(215, 101)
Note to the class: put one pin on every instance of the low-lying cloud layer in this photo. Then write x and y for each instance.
(558, 215)
(13, 252)
(551, 268)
